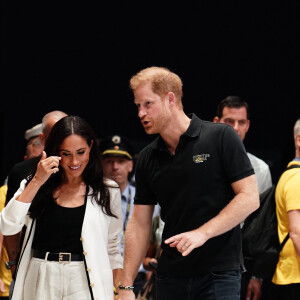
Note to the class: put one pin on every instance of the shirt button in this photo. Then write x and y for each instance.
(81, 238)
(84, 253)
(88, 269)
(92, 285)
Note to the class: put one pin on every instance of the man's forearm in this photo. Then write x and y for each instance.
(12, 245)
(238, 209)
(296, 242)
(294, 229)
(232, 215)
(137, 239)
(244, 203)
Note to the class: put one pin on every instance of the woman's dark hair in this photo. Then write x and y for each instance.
(92, 174)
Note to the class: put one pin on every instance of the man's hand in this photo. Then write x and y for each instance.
(254, 289)
(186, 242)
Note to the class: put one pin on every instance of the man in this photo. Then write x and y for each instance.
(235, 112)
(34, 145)
(202, 178)
(287, 275)
(18, 172)
(117, 163)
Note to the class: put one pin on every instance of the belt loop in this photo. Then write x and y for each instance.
(46, 256)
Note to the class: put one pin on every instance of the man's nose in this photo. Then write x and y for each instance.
(142, 112)
(236, 126)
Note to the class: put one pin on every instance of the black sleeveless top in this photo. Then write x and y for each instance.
(58, 229)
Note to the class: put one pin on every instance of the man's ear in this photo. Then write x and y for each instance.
(42, 138)
(130, 166)
(171, 98)
(216, 120)
(248, 123)
(298, 141)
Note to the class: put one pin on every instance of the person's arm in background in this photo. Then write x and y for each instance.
(12, 242)
(154, 249)
(2, 287)
(254, 289)
(3, 192)
(12, 245)
(294, 226)
(150, 257)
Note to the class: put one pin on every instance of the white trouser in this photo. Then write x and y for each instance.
(51, 280)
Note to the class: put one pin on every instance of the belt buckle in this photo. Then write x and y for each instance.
(61, 257)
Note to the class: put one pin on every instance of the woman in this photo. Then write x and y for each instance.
(72, 217)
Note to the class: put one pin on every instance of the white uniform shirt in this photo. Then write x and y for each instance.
(262, 172)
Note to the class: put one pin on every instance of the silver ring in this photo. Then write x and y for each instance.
(186, 245)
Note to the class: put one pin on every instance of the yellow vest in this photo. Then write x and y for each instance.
(287, 198)
(5, 274)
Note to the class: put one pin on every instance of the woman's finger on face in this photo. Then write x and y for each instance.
(54, 170)
(51, 161)
(54, 164)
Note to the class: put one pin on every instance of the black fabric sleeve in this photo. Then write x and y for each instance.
(19, 172)
(143, 194)
(13, 182)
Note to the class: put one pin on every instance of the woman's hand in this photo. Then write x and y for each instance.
(46, 167)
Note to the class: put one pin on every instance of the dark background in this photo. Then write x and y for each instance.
(78, 57)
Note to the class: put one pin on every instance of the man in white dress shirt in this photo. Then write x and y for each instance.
(235, 112)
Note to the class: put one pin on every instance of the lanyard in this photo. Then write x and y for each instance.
(127, 210)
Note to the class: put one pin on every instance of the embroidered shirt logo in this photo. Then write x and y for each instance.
(200, 158)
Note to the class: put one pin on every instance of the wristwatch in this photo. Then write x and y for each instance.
(9, 264)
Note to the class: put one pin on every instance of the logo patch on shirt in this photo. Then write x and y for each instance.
(200, 158)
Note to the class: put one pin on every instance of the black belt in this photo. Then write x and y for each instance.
(62, 257)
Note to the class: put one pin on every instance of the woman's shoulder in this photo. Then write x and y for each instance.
(110, 183)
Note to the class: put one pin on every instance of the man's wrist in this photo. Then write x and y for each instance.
(257, 278)
(126, 287)
(10, 264)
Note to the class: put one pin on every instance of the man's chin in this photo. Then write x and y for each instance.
(150, 130)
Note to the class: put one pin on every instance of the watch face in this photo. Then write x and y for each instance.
(7, 265)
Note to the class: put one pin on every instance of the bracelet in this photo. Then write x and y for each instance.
(127, 287)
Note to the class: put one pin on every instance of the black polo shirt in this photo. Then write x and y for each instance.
(192, 187)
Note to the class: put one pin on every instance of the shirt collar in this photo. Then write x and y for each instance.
(126, 192)
(192, 131)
